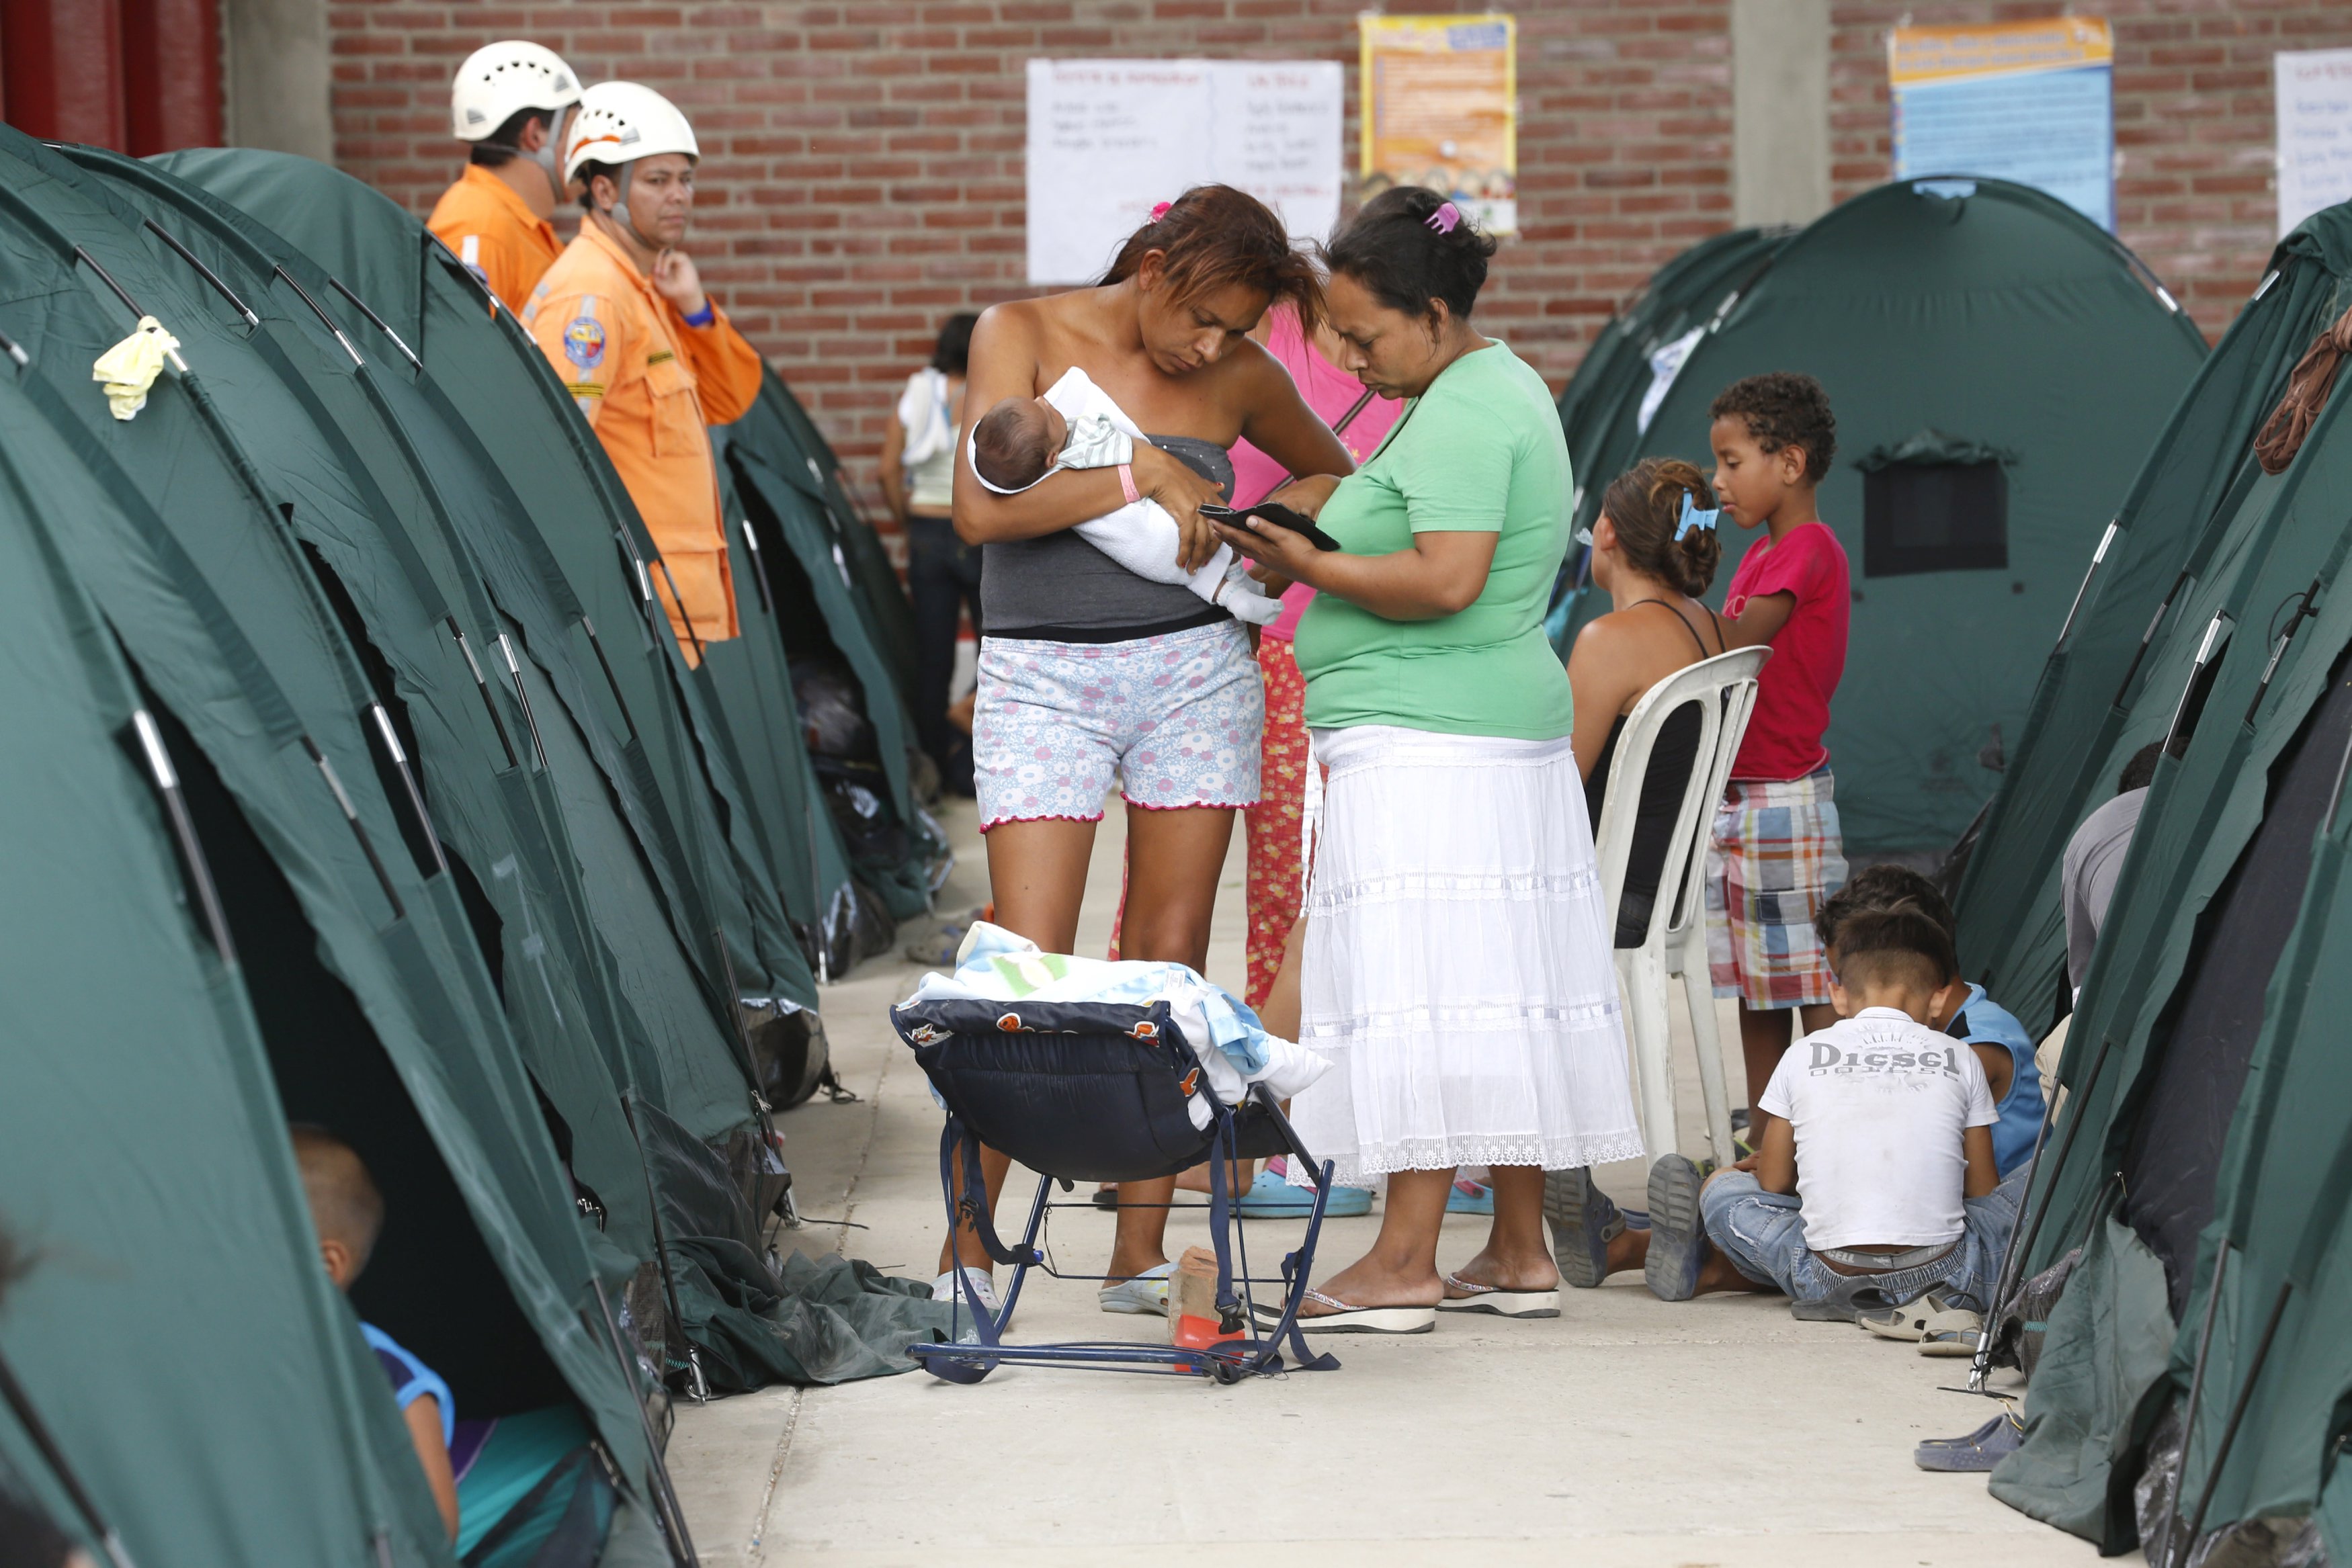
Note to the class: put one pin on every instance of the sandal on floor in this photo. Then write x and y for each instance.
(1345, 1319)
(1479, 1298)
(1931, 1314)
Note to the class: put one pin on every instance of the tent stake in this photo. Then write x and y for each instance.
(2230, 1427)
(2196, 1390)
(29, 1418)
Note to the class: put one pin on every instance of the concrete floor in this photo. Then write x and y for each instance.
(1713, 1434)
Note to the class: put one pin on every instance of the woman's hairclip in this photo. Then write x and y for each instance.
(1442, 220)
(1693, 518)
(1159, 210)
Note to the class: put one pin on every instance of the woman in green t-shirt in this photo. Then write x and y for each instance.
(1456, 964)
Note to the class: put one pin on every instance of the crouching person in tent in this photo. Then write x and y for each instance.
(505, 1486)
(649, 357)
(511, 101)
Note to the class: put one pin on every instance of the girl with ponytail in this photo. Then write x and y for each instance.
(1653, 553)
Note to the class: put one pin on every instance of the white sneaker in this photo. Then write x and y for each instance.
(1146, 1295)
(977, 1286)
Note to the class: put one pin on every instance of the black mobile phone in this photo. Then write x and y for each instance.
(1281, 517)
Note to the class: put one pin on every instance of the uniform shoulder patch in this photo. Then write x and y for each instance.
(584, 341)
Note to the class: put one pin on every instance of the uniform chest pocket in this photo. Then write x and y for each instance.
(677, 414)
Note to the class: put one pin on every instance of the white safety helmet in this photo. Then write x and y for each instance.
(622, 121)
(500, 80)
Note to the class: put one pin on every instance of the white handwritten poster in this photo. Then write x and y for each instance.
(1110, 140)
(2315, 132)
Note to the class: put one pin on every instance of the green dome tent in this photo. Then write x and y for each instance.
(2107, 686)
(192, 1364)
(2208, 1093)
(1604, 408)
(1997, 366)
(374, 1008)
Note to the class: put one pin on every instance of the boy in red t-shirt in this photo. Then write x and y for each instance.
(1777, 854)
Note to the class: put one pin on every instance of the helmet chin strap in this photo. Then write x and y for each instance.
(618, 216)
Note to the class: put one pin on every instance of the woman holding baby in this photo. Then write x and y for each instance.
(1090, 671)
(1457, 965)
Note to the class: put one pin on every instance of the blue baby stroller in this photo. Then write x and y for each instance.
(1098, 1091)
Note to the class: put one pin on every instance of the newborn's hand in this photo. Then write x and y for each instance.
(1182, 492)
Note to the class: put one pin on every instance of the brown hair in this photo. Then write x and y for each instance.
(1009, 445)
(344, 1202)
(2307, 386)
(1892, 946)
(1214, 236)
(1886, 885)
(1645, 503)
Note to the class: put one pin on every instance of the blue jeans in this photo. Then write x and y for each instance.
(1763, 1234)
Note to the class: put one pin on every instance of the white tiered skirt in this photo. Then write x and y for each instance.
(1457, 967)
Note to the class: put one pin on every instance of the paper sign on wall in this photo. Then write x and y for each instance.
(2315, 132)
(1110, 140)
(1441, 110)
(2029, 101)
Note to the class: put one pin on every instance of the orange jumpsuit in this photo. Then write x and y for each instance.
(495, 232)
(651, 385)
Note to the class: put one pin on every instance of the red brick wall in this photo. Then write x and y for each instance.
(863, 169)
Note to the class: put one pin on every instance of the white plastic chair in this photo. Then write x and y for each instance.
(1675, 945)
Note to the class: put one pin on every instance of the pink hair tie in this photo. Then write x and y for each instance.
(1159, 211)
(1444, 219)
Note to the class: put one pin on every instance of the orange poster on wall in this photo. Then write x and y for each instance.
(1441, 110)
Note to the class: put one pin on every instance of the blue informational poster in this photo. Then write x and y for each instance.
(2029, 101)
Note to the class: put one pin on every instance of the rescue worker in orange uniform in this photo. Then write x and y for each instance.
(650, 358)
(513, 101)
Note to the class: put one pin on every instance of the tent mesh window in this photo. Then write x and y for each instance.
(1938, 516)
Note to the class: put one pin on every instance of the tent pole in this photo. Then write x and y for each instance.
(700, 1388)
(2196, 1391)
(2115, 527)
(666, 1504)
(27, 1417)
(2230, 1427)
(2014, 1261)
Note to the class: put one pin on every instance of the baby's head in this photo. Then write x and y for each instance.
(346, 1209)
(1014, 444)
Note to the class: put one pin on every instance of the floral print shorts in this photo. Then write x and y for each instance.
(1175, 719)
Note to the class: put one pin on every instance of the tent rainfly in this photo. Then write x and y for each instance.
(2191, 1195)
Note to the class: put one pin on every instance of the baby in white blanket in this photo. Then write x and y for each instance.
(1077, 425)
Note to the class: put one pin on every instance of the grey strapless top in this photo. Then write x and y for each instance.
(1057, 586)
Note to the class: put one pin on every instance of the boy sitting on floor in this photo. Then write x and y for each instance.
(1965, 1013)
(1890, 1124)
(347, 1211)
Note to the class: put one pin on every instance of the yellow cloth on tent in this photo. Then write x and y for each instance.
(131, 367)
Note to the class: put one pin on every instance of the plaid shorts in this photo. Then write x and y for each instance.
(1775, 857)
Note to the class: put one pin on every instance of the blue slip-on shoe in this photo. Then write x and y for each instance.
(1271, 1197)
(1678, 1245)
(1980, 1450)
(1583, 1220)
(1470, 1197)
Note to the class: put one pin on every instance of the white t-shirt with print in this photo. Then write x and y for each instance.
(1878, 1103)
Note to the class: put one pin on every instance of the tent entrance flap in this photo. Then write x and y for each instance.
(431, 1282)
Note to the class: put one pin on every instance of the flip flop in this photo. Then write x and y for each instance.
(1345, 1319)
(1951, 1341)
(1479, 1298)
